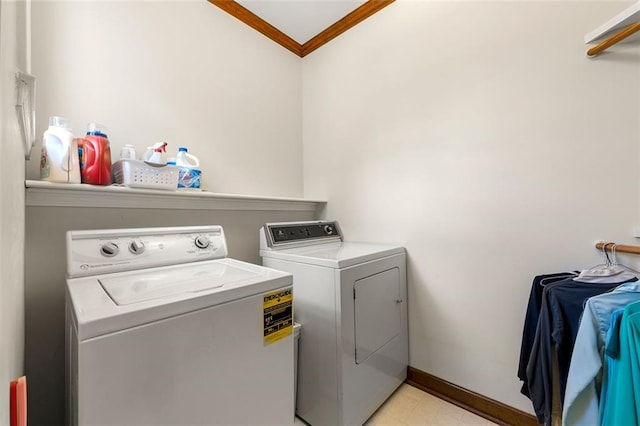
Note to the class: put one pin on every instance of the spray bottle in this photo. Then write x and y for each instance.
(154, 153)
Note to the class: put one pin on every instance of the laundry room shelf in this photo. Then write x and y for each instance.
(47, 194)
(616, 29)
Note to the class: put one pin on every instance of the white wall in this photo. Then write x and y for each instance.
(12, 208)
(480, 136)
(184, 72)
(476, 133)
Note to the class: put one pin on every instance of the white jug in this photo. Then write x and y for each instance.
(59, 160)
(189, 177)
(184, 159)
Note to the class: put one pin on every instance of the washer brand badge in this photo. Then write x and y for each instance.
(86, 266)
(277, 310)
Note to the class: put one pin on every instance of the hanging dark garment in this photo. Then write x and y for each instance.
(561, 308)
(531, 322)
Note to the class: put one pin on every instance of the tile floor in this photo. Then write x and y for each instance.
(409, 406)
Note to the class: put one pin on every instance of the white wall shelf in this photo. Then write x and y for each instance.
(622, 26)
(47, 194)
(625, 18)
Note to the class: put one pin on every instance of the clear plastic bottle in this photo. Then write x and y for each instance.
(128, 152)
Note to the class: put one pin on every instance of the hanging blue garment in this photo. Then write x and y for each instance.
(612, 349)
(581, 401)
(623, 389)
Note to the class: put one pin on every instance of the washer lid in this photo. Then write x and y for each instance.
(147, 285)
(334, 255)
(108, 303)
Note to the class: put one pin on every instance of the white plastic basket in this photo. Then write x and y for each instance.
(140, 174)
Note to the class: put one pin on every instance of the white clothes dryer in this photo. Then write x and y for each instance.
(351, 301)
(164, 329)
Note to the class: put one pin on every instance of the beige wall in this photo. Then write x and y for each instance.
(477, 134)
(480, 136)
(184, 72)
(11, 207)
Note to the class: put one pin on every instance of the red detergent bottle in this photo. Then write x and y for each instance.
(96, 156)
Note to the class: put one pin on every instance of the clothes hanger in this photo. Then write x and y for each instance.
(557, 278)
(606, 269)
(615, 262)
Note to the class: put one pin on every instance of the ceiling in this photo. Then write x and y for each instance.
(301, 19)
(301, 26)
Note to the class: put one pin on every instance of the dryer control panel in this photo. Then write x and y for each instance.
(115, 250)
(299, 232)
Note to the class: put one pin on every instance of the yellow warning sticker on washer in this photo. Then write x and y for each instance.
(278, 315)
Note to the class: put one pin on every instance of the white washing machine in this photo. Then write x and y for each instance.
(351, 299)
(164, 329)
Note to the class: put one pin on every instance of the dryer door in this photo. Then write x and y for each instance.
(377, 312)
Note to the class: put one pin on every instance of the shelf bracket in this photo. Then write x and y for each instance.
(619, 36)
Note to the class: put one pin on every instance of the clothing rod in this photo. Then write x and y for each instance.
(620, 248)
(619, 36)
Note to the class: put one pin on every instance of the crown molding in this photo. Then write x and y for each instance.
(254, 21)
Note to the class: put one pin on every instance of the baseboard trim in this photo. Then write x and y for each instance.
(488, 408)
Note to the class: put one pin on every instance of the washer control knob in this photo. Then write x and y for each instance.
(136, 247)
(109, 249)
(328, 229)
(202, 241)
